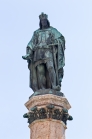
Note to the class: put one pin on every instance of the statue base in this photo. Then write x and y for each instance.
(47, 91)
(47, 114)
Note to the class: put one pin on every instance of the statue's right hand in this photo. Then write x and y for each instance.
(26, 57)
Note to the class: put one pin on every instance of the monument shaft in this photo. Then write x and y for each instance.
(47, 129)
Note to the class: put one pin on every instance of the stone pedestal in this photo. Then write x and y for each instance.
(47, 116)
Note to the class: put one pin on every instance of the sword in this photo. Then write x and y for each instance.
(55, 63)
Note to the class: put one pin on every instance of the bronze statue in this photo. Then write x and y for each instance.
(45, 56)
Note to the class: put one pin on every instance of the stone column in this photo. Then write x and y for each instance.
(47, 129)
(47, 116)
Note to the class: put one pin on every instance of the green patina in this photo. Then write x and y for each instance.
(45, 57)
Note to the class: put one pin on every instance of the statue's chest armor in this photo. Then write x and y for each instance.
(42, 37)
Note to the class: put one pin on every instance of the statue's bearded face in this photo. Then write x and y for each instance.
(44, 22)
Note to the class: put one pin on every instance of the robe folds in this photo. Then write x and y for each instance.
(41, 50)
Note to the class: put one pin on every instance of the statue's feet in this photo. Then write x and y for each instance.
(26, 57)
(57, 88)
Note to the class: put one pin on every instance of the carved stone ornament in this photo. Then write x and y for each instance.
(50, 111)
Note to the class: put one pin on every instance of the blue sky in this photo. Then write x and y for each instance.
(18, 20)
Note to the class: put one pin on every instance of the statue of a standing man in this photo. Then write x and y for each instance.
(45, 56)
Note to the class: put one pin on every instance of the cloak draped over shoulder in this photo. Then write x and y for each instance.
(40, 48)
(59, 41)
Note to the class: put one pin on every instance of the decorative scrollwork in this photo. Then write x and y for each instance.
(48, 112)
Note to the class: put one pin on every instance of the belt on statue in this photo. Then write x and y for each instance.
(45, 46)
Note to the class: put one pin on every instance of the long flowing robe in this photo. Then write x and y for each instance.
(40, 44)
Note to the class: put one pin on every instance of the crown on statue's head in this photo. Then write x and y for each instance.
(43, 16)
